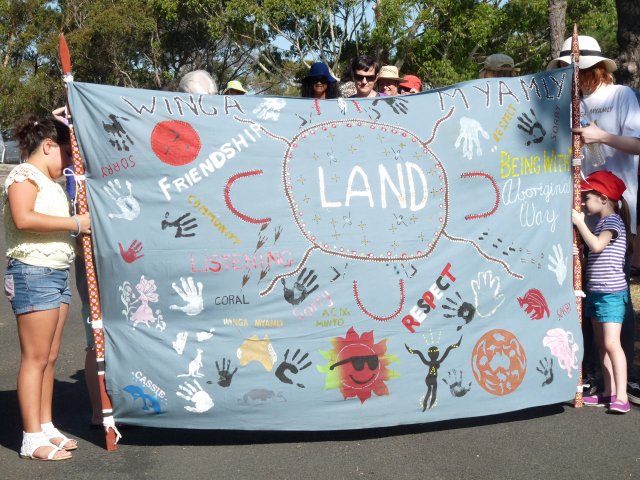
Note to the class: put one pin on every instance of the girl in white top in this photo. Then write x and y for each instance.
(38, 229)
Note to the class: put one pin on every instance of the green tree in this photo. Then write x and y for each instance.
(629, 41)
(446, 41)
(269, 44)
(112, 42)
(29, 78)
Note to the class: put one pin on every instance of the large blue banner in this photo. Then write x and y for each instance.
(290, 264)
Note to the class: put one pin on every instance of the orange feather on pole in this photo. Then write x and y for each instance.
(65, 56)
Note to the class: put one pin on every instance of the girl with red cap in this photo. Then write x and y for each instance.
(606, 284)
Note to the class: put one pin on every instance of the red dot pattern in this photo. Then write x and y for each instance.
(87, 248)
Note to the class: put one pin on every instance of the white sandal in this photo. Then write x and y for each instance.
(33, 441)
(52, 432)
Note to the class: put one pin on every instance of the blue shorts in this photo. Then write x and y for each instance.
(31, 289)
(607, 307)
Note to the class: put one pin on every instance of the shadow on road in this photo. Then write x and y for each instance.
(72, 414)
(165, 436)
(71, 411)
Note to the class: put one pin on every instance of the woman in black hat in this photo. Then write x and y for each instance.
(319, 84)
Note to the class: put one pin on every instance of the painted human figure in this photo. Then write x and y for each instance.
(144, 313)
(434, 364)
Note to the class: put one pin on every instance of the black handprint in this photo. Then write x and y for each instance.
(224, 377)
(528, 125)
(465, 311)
(286, 366)
(115, 129)
(397, 104)
(300, 286)
(180, 224)
(455, 383)
(546, 369)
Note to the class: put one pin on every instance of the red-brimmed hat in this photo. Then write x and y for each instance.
(411, 81)
(604, 182)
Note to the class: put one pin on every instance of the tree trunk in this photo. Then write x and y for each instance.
(628, 61)
(557, 14)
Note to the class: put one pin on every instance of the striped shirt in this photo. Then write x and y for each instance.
(605, 270)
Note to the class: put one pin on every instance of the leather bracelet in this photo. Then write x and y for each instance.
(78, 224)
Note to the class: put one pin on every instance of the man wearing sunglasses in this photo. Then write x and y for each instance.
(364, 72)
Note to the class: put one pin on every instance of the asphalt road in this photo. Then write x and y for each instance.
(554, 442)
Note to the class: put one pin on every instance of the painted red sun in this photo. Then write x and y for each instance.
(175, 142)
(358, 366)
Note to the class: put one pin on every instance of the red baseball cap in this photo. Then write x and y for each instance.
(411, 81)
(604, 182)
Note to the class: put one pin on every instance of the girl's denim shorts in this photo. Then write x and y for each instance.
(607, 307)
(31, 289)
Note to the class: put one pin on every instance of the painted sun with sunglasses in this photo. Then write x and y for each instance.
(358, 366)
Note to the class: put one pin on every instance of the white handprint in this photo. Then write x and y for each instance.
(180, 341)
(558, 264)
(486, 291)
(190, 294)
(468, 137)
(194, 393)
(270, 108)
(129, 206)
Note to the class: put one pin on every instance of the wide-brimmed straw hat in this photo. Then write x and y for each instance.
(389, 72)
(590, 54)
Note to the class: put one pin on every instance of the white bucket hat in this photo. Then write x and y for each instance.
(590, 54)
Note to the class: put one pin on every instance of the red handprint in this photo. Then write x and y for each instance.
(133, 253)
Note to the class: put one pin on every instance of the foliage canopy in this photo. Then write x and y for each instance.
(268, 44)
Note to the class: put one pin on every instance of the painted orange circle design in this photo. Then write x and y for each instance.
(499, 362)
(175, 142)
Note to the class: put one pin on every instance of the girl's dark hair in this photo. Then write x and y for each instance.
(306, 89)
(30, 131)
(625, 214)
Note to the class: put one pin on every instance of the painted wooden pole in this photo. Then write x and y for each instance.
(577, 195)
(111, 433)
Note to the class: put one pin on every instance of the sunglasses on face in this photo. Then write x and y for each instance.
(318, 80)
(358, 362)
(364, 78)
